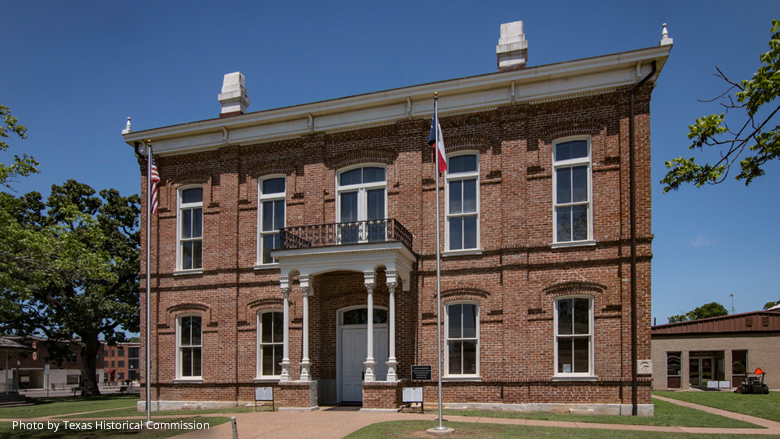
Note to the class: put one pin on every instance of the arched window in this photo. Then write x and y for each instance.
(362, 204)
(462, 201)
(190, 228)
(271, 207)
(572, 194)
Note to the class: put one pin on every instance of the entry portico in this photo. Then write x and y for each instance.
(303, 259)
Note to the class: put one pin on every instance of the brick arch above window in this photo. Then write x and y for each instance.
(464, 294)
(466, 143)
(360, 156)
(566, 129)
(574, 287)
(168, 202)
(189, 308)
(276, 167)
(268, 303)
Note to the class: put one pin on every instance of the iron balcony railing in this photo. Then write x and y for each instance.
(358, 232)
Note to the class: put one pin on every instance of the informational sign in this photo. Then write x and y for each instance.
(413, 394)
(421, 373)
(264, 393)
(46, 369)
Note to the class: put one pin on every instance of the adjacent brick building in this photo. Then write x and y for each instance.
(717, 352)
(295, 247)
(121, 362)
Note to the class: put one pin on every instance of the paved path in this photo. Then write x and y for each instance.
(337, 422)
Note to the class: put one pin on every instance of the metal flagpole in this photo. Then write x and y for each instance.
(148, 278)
(438, 251)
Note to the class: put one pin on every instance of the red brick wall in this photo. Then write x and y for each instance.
(515, 279)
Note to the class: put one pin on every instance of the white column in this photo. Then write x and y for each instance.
(306, 289)
(391, 362)
(286, 346)
(370, 363)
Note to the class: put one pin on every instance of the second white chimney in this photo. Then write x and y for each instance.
(512, 49)
(233, 98)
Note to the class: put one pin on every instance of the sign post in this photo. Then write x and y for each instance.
(46, 372)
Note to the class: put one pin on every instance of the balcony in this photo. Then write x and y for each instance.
(360, 246)
(358, 232)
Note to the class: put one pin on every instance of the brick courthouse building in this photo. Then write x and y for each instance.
(295, 247)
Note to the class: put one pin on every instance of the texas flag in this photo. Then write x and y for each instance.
(436, 140)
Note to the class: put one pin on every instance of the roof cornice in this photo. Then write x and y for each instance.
(476, 93)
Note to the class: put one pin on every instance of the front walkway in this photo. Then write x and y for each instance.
(335, 424)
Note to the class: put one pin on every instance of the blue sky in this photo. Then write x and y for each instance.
(72, 72)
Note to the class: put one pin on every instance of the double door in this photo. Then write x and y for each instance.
(701, 370)
(353, 354)
(361, 214)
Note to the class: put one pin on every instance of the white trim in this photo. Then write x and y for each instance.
(186, 380)
(186, 272)
(261, 197)
(573, 244)
(361, 189)
(446, 374)
(571, 163)
(476, 93)
(461, 253)
(179, 365)
(280, 345)
(462, 176)
(181, 206)
(584, 376)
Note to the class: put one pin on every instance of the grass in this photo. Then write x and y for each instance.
(7, 430)
(406, 429)
(67, 405)
(666, 414)
(133, 412)
(761, 406)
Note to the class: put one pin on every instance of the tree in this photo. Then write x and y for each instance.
(771, 304)
(91, 291)
(21, 166)
(712, 309)
(759, 134)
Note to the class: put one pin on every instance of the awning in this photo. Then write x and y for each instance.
(110, 371)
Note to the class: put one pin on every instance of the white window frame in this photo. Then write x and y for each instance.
(261, 197)
(260, 344)
(179, 240)
(179, 347)
(589, 375)
(446, 359)
(558, 164)
(362, 190)
(454, 177)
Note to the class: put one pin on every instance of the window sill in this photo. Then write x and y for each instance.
(188, 381)
(575, 378)
(265, 266)
(461, 378)
(573, 244)
(186, 272)
(469, 252)
(271, 379)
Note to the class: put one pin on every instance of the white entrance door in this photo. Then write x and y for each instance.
(353, 354)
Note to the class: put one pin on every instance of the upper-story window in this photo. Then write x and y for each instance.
(189, 347)
(271, 216)
(463, 202)
(573, 336)
(191, 228)
(362, 204)
(572, 191)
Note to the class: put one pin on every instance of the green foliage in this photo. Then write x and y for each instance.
(760, 135)
(69, 268)
(21, 166)
(771, 304)
(712, 309)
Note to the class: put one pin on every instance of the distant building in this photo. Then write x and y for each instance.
(28, 368)
(120, 362)
(692, 354)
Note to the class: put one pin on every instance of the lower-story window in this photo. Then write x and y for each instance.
(462, 339)
(190, 347)
(573, 333)
(270, 342)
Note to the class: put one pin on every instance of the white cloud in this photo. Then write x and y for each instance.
(702, 241)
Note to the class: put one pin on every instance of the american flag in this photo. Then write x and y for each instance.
(155, 179)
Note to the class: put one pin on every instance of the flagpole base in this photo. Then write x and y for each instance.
(444, 431)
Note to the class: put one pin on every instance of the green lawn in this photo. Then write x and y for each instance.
(68, 404)
(405, 429)
(133, 412)
(7, 430)
(666, 414)
(762, 406)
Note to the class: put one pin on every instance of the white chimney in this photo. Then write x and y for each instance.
(512, 49)
(233, 98)
(665, 40)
